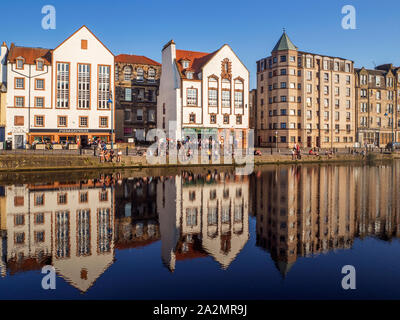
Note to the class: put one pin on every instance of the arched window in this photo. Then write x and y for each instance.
(127, 73)
(116, 73)
(139, 74)
(151, 75)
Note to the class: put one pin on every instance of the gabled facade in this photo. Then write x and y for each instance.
(200, 90)
(137, 79)
(62, 94)
(377, 105)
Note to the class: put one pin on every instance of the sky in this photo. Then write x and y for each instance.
(250, 27)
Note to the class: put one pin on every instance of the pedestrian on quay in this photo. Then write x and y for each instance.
(119, 154)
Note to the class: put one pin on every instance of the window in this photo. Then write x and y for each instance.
(308, 62)
(213, 118)
(191, 97)
(83, 197)
(238, 119)
(283, 58)
(226, 93)
(18, 120)
(83, 86)
(212, 92)
(39, 121)
(347, 67)
(20, 63)
(62, 85)
(185, 64)
(19, 101)
(39, 65)
(139, 114)
(116, 73)
(336, 66)
(62, 121)
(239, 93)
(151, 115)
(139, 74)
(192, 118)
(84, 44)
(39, 102)
(151, 75)
(103, 196)
(39, 217)
(62, 198)
(127, 73)
(19, 83)
(191, 217)
(103, 122)
(19, 237)
(83, 122)
(128, 94)
(189, 74)
(39, 236)
(213, 97)
(140, 94)
(226, 118)
(103, 87)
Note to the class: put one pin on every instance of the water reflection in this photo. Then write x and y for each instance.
(299, 211)
(304, 211)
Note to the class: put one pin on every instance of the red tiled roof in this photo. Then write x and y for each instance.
(130, 58)
(29, 54)
(196, 60)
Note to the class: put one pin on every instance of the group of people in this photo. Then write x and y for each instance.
(109, 155)
(296, 152)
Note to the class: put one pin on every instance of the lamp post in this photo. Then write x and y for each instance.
(112, 120)
(276, 141)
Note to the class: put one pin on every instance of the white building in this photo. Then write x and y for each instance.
(61, 94)
(203, 219)
(200, 90)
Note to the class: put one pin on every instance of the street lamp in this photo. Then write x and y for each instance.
(112, 120)
(276, 140)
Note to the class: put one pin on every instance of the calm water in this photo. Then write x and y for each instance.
(280, 233)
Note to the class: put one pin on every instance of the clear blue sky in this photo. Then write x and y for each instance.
(250, 27)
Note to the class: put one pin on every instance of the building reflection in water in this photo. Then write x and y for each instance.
(307, 210)
(203, 215)
(299, 211)
(68, 225)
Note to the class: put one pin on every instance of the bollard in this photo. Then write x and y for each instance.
(127, 151)
(94, 151)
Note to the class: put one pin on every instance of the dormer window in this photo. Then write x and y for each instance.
(39, 65)
(185, 64)
(189, 75)
(139, 74)
(20, 63)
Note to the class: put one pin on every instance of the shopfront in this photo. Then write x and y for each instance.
(70, 136)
